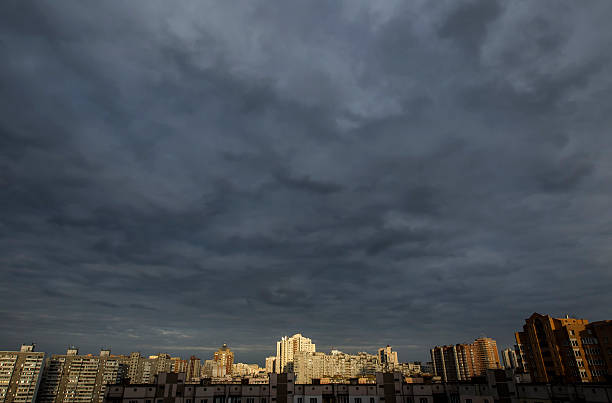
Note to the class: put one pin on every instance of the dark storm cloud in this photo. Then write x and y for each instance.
(366, 173)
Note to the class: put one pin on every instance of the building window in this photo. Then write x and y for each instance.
(300, 400)
(372, 400)
(468, 400)
(423, 400)
(313, 400)
(250, 400)
(357, 400)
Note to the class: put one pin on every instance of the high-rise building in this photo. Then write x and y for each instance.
(194, 369)
(271, 364)
(564, 349)
(308, 365)
(452, 363)
(486, 355)
(163, 363)
(287, 347)
(463, 361)
(144, 369)
(599, 355)
(388, 357)
(224, 360)
(178, 365)
(244, 370)
(509, 359)
(72, 377)
(20, 373)
(208, 368)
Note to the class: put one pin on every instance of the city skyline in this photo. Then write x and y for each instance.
(263, 351)
(366, 173)
(558, 356)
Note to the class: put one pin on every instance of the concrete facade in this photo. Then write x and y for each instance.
(20, 373)
(287, 347)
(224, 361)
(497, 386)
(461, 362)
(566, 349)
(72, 377)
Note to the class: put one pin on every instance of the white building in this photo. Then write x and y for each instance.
(310, 365)
(271, 364)
(287, 347)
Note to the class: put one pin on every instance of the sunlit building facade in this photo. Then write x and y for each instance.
(20, 373)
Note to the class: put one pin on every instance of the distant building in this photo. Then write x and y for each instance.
(388, 357)
(486, 355)
(565, 349)
(509, 359)
(20, 373)
(194, 369)
(461, 362)
(270, 364)
(163, 363)
(224, 361)
(178, 365)
(427, 367)
(144, 369)
(287, 347)
(339, 366)
(72, 377)
(246, 370)
(207, 368)
(451, 364)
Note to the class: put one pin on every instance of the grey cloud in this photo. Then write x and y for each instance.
(467, 23)
(307, 184)
(361, 173)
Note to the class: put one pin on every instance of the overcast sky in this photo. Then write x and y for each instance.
(174, 176)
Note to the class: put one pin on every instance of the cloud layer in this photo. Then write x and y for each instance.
(363, 172)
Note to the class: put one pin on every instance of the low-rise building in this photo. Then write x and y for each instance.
(495, 386)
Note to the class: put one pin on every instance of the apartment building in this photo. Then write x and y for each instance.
(566, 349)
(20, 373)
(72, 377)
(496, 386)
(178, 365)
(461, 362)
(509, 359)
(142, 369)
(287, 347)
(486, 355)
(271, 364)
(312, 365)
(452, 363)
(224, 361)
(194, 369)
